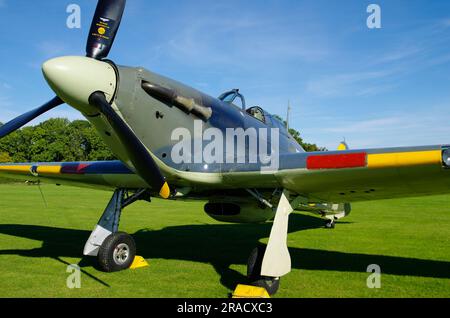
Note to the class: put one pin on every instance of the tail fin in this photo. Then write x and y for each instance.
(343, 146)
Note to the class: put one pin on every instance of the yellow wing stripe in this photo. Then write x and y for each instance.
(16, 169)
(49, 169)
(403, 159)
(21, 169)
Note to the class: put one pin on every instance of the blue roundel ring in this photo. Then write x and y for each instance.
(33, 171)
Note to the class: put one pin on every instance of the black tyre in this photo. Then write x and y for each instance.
(330, 225)
(254, 263)
(117, 252)
(271, 284)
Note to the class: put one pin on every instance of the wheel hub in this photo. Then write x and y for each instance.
(121, 253)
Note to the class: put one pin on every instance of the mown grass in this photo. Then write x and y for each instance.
(191, 255)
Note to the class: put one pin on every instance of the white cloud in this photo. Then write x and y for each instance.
(439, 60)
(366, 125)
(5, 86)
(241, 41)
(5, 102)
(9, 110)
(6, 113)
(400, 54)
(416, 128)
(5, 109)
(351, 84)
(63, 111)
(51, 48)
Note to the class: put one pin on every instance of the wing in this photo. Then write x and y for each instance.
(99, 174)
(360, 175)
(339, 176)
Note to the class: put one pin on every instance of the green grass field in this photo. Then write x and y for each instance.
(191, 255)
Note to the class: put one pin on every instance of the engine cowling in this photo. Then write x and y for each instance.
(238, 210)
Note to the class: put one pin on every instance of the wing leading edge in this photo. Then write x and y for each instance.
(338, 176)
(360, 175)
(98, 174)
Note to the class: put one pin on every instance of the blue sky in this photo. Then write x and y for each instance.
(376, 88)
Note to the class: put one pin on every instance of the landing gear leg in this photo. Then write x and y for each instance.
(266, 266)
(345, 209)
(115, 250)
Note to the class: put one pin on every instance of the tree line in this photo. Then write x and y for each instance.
(296, 135)
(53, 140)
(59, 139)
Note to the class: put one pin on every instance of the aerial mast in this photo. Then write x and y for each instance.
(288, 113)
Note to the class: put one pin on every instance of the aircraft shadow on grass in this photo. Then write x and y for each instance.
(220, 245)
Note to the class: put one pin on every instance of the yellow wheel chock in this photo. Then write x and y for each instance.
(138, 262)
(247, 291)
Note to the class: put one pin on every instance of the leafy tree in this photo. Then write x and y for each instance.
(56, 139)
(17, 144)
(50, 141)
(97, 149)
(4, 157)
(296, 135)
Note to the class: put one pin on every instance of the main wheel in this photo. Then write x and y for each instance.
(330, 225)
(117, 252)
(254, 264)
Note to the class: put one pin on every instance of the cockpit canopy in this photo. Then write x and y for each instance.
(268, 119)
(235, 98)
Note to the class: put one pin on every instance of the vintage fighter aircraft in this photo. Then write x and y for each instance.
(136, 111)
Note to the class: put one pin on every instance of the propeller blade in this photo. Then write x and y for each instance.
(142, 161)
(23, 119)
(104, 28)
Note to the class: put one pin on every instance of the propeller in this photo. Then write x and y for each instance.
(105, 24)
(60, 72)
(23, 119)
(139, 156)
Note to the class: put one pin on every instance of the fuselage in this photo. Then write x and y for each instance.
(184, 129)
(238, 138)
